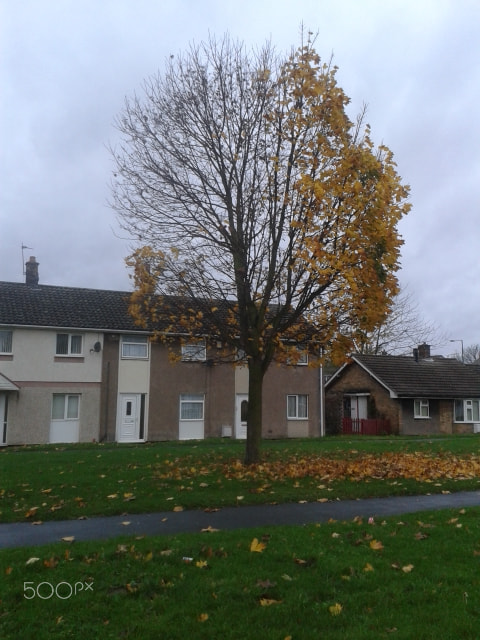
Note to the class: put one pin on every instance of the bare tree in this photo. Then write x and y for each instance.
(402, 329)
(470, 354)
(257, 196)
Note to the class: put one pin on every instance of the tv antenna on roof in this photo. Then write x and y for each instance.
(24, 246)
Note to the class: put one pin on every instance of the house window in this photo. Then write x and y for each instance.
(69, 344)
(297, 356)
(303, 359)
(65, 406)
(191, 406)
(135, 347)
(467, 410)
(297, 407)
(6, 341)
(194, 351)
(421, 408)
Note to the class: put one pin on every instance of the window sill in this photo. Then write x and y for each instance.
(6, 357)
(69, 359)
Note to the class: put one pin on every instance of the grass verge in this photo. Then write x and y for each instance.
(416, 576)
(64, 482)
(48, 483)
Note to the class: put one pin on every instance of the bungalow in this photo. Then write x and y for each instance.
(74, 367)
(406, 395)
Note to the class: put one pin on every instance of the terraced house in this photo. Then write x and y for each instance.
(74, 367)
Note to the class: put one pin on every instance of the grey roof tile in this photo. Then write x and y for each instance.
(435, 377)
(64, 307)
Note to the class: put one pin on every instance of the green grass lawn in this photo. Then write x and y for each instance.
(408, 577)
(416, 576)
(65, 482)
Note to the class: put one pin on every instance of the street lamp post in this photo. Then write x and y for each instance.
(462, 346)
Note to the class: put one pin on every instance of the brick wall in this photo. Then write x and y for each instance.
(353, 380)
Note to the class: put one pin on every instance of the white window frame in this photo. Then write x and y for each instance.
(194, 351)
(71, 338)
(300, 358)
(68, 403)
(6, 341)
(470, 410)
(295, 415)
(192, 399)
(421, 409)
(132, 344)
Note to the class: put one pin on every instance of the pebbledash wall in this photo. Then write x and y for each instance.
(218, 390)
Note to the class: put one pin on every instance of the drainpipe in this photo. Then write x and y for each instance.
(104, 436)
(321, 395)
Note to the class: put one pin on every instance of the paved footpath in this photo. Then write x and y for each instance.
(24, 534)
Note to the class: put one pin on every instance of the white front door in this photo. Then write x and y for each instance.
(129, 417)
(241, 410)
(359, 407)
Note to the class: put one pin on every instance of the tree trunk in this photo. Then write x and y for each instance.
(254, 414)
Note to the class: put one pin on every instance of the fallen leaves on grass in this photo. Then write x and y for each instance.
(376, 545)
(257, 546)
(421, 467)
(335, 609)
(267, 602)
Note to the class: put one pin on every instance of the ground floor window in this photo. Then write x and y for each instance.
(65, 406)
(297, 407)
(191, 406)
(467, 410)
(421, 408)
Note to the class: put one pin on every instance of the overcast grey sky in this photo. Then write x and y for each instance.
(67, 66)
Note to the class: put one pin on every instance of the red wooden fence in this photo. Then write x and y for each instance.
(365, 426)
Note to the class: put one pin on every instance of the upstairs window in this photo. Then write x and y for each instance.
(135, 347)
(69, 344)
(194, 351)
(5, 341)
(467, 410)
(297, 356)
(421, 408)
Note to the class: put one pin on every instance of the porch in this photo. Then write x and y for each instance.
(366, 426)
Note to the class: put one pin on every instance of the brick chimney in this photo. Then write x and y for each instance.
(423, 351)
(31, 272)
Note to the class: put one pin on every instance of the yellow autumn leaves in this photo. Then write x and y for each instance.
(417, 466)
(257, 546)
(421, 467)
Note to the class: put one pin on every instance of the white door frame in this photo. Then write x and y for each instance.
(240, 425)
(3, 418)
